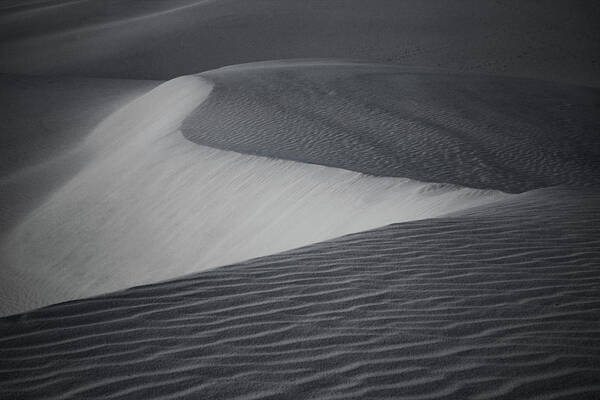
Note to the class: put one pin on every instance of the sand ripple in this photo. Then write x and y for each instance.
(490, 304)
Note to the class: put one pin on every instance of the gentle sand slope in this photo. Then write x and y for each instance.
(163, 39)
(502, 303)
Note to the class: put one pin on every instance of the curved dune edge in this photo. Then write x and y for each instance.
(479, 131)
(150, 206)
(502, 304)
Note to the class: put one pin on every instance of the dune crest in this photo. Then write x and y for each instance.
(44, 121)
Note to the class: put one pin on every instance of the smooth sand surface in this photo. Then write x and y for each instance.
(498, 303)
(149, 205)
(163, 39)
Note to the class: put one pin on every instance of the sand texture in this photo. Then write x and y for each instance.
(149, 205)
(499, 304)
(316, 199)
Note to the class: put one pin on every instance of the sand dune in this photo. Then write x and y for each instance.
(163, 39)
(502, 303)
(424, 225)
(149, 205)
(145, 204)
(476, 131)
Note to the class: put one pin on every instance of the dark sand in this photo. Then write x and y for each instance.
(552, 39)
(501, 303)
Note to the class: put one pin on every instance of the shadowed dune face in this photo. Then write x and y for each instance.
(109, 38)
(476, 131)
(149, 205)
(472, 306)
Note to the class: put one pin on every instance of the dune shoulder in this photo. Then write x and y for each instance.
(44, 120)
(150, 205)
